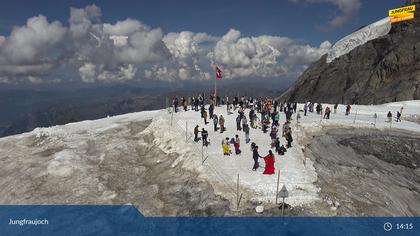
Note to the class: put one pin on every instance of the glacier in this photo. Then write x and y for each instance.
(345, 45)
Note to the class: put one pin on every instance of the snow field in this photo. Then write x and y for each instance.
(221, 171)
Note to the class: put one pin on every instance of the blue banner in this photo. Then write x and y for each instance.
(127, 220)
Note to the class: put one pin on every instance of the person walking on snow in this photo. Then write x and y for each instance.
(255, 156)
(305, 108)
(398, 116)
(335, 108)
(269, 164)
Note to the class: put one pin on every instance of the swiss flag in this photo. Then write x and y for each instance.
(218, 73)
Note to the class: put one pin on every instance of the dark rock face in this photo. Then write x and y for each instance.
(386, 69)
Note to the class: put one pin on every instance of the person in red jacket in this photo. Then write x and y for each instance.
(269, 164)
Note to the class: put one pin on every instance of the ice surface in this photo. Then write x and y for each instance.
(221, 171)
(360, 37)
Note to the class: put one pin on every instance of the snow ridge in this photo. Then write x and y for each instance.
(360, 37)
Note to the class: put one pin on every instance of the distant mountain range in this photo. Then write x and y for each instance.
(23, 110)
(385, 69)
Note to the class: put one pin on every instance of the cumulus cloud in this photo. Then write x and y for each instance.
(94, 51)
(30, 49)
(189, 54)
(114, 50)
(81, 20)
(263, 56)
(348, 10)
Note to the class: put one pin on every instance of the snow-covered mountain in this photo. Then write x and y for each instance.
(358, 38)
(377, 64)
(148, 159)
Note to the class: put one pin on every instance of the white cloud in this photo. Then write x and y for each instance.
(81, 20)
(88, 72)
(126, 27)
(143, 47)
(27, 50)
(348, 9)
(95, 51)
(91, 73)
(263, 56)
(189, 51)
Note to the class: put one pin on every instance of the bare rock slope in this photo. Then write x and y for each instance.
(385, 69)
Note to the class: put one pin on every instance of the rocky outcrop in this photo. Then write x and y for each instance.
(386, 69)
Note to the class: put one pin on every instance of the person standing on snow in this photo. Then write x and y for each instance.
(237, 145)
(238, 123)
(211, 109)
(269, 164)
(226, 148)
(255, 156)
(348, 108)
(202, 111)
(327, 113)
(389, 116)
(251, 117)
(196, 133)
(335, 108)
(185, 103)
(246, 130)
(276, 118)
(244, 121)
(273, 135)
(191, 102)
(222, 124)
(277, 145)
(204, 135)
(289, 137)
(215, 121)
(205, 117)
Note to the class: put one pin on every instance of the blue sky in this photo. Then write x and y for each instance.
(276, 39)
(216, 17)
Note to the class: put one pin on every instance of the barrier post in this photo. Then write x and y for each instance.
(277, 189)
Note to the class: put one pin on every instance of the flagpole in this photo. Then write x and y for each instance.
(215, 87)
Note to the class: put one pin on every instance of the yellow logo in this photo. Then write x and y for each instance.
(402, 13)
